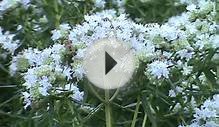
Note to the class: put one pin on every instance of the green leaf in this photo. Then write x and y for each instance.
(147, 109)
(210, 76)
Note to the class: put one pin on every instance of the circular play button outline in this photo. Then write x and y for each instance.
(109, 63)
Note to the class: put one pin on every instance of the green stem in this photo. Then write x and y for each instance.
(93, 112)
(95, 93)
(218, 71)
(136, 112)
(217, 11)
(183, 121)
(217, 74)
(107, 109)
(114, 95)
(7, 101)
(144, 121)
(4, 69)
(2, 113)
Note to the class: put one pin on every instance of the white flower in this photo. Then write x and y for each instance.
(30, 78)
(26, 94)
(177, 107)
(56, 34)
(107, 25)
(45, 68)
(80, 54)
(67, 72)
(99, 3)
(187, 70)
(25, 2)
(191, 7)
(159, 69)
(172, 93)
(64, 27)
(211, 124)
(51, 55)
(119, 3)
(32, 56)
(191, 28)
(167, 54)
(204, 113)
(19, 27)
(177, 90)
(43, 91)
(207, 114)
(193, 102)
(179, 21)
(188, 2)
(44, 86)
(169, 32)
(27, 99)
(6, 4)
(79, 72)
(7, 41)
(215, 41)
(38, 79)
(13, 68)
(60, 32)
(202, 41)
(76, 94)
(185, 53)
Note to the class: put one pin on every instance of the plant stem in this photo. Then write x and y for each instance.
(95, 93)
(114, 95)
(217, 10)
(93, 112)
(217, 71)
(217, 74)
(136, 112)
(144, 121)
(107, 109)
(57, 16)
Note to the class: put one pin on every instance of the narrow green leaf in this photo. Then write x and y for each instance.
(147, 110)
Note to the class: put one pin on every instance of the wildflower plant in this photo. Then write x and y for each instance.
(43, 45)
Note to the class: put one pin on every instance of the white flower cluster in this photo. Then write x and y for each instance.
(188, 2)
(44, 73)
(7, 42)
(162, 47)
(78, 96)
(34, 58)
(159, 68)
(207, 115)
(182, 35)
(105, 25)
(119, 3)
(6, 4)
(61, 32)
(99, 3)
(166, 46)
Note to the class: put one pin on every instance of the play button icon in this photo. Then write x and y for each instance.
(109, 63)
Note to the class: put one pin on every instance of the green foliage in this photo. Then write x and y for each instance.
(217, 9)
(152, 101)
(153, 11)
